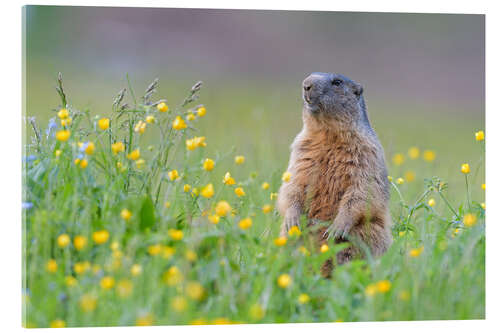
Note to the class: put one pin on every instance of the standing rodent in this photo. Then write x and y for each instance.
(338, 170)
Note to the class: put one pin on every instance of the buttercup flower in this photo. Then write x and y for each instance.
(107, 282)
(228, 180)
(51, 266)
(126, 214)
(117, 147)
(63, 240)
(245, 223)
(429, 155)
(222, 208)
(398, 159)
(63, 114)
(208, 191)
(416, 252)
(103, 123)
(175, 234)
(304, 298)
(286, 176)
(194, 290)
(284, 281)
(400, 180)
(79, 242)
(100, 237)
(214, 219)
(201, 111)
(370, 290)
(134, 155)
(162, 107)
(186, 188)
(136, 270)
(469, 220)
(479, 136)
(431, 202)
(239, 191)
(208, 164)
(413, 153)
(63, 135)
(324, 248)
(294, 231)
(179, 124)
(150, 119)
(239, 159)
(383, 286)
(58, 323)
(140, 127)
(465, 169)
(88, 302)
(190, 116)
(173, 174)
(173, 276)
(409, 176)
(267, 209)
(280, 241)
(265, 185)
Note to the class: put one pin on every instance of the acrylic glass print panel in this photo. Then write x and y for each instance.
(161, 186)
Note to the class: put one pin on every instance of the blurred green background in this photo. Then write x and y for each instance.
(423, 74)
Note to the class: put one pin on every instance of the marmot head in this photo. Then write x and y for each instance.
(333, 96)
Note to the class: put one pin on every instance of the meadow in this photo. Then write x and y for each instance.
(160, 211)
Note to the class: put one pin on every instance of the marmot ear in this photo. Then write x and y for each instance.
(358, 90)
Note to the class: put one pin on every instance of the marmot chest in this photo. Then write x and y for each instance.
(333, 171)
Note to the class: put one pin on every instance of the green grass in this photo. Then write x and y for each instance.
(236, 268)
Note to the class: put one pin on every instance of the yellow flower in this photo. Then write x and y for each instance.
(267, 209)
(245, 223)
(429, 155)
(286, 176)
(83, 163)
(431, 202)
(186, 188)
(58, 323)
(214, 219)
(404, 295)
(70, 281)
(150, 119)
(190, 116)
(239, 159)
(51, 266)
(89, 150)
(168, 252)
(195, 192)
(103, 123)
(63, 240)
(79, 242)
(208, 164)
(479, 136)
(483, 186)
(416, 252)
(324, 248)
(101, 236)
(265, 185)
(228, 180)
(400, 181)
(465, 168)
(154, 250)
(66, 122)
(63, 135)
(144, 320)
(63, 114)
(483, 205)
(194, 290)
(126, 214)
(178, 303)
(173, 174)
(398, 159)
(221, 321)
(304, 298)
(389, 178)
(304, 251)
(284, 281)
(81, 267)
(114, 246)
(175, 234)
(273, 196)
(383, 286)
(167, 204)
(256, 312)
(201, 111)
(409, 176)
(402, 233)
(124, 288)
(280, 241)
(134, 155)
(117, 147)
(294, 231)
(199, 321)
(370, 290)
(173, 276)
(197, 141)
(469, 220)
(136, 270)
(222, 208)
(239, 191)
(413, 153)
(162, 107)
(58, 152)
(140, 163)
(179, 124)
(207, 191)
(107, 282)
(140, 127)
(88, 302)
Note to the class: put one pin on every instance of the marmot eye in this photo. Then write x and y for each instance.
(336, 82)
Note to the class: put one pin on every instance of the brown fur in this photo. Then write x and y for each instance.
(338, 175)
